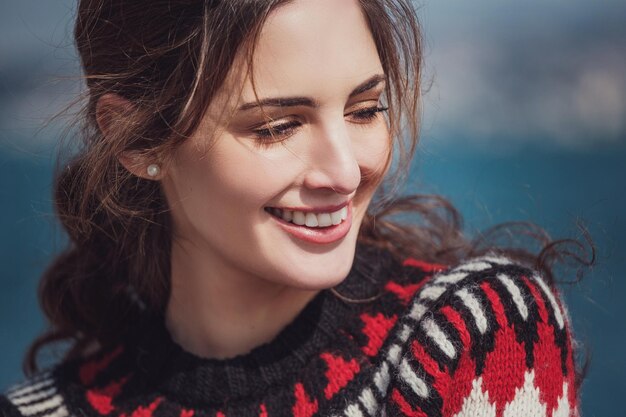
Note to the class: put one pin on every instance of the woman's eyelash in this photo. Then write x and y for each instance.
(276, 130)
(368, 113)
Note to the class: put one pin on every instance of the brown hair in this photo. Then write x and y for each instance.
(169, 59)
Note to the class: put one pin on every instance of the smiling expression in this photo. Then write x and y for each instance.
(278, 189)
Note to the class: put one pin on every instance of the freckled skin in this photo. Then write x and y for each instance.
(237, 278)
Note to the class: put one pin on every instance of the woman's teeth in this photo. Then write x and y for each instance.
(311, 219)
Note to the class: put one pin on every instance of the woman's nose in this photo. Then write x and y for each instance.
(332, 163)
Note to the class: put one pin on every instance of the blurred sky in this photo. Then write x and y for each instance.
(525, 118)
(528, 70)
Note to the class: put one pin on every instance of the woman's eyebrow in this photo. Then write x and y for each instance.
(366, 85)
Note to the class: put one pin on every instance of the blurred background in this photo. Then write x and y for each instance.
(524, 120)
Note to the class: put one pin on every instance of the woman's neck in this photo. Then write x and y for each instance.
(216, 311)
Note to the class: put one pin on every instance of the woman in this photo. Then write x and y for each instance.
(226, 257)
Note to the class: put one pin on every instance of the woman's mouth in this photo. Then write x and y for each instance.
(314, 226)
(310, 219)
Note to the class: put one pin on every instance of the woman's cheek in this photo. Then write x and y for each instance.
(258, 175)
(372, 151)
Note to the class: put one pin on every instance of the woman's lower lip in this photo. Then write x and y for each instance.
(318, 235)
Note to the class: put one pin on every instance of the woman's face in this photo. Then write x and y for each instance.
(287, 208)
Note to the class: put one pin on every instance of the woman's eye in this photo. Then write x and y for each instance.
(368, 114)
(270, 133)
(274, 133)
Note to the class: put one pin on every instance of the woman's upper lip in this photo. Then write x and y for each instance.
(317, 209)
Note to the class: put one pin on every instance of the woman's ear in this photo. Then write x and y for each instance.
(111, 111)
(141, 165)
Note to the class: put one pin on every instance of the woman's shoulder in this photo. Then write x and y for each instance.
(488, 332)
(483, 284)
(48, 392)
(38, 395)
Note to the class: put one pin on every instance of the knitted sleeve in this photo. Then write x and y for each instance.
(487, 338)
(38, 396)
(7, 409)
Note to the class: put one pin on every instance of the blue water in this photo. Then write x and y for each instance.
(554, 188)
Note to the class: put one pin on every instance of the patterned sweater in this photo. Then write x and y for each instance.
(485, 338)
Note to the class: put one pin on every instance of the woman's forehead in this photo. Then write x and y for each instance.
(314, 48)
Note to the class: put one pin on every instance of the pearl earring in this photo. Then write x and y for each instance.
(153, 170)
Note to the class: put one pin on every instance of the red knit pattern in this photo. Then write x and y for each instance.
(424, 266)
(404, 406)
(456, 320)
(339, 373)
(376, 329)
(304, 406)
(443, 378)
(101, 399)
(145, 411)
(403, 292)
(547, 354)
(496, 304)
(500, 382)
(460, 386)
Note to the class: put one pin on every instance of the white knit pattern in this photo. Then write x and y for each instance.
(516, 294)
(439, 337)
(38, 396)
(475, 308)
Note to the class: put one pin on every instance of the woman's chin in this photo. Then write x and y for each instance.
(321, 270)
(306, 265)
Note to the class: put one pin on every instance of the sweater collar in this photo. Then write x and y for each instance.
(196, 381)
